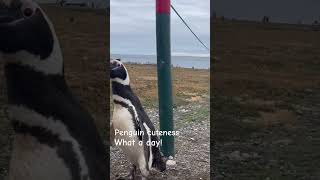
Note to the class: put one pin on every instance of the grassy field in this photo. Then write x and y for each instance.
(188, 85)
(265, 101)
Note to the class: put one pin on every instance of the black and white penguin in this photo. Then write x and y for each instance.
(54, 137)
(129, 116)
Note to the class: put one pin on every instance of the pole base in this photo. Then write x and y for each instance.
(171, 162)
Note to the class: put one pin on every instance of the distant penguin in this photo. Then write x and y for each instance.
(129, 116)
(54, 137)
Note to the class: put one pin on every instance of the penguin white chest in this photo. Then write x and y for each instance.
(41, 148)
(123, 121)
(32, 160)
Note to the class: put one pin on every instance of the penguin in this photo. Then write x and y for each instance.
(130, 116)
(54, 136)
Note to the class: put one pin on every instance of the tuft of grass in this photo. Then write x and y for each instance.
(200, 114)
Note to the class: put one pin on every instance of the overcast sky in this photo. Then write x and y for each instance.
(133, 25)
(290, 11)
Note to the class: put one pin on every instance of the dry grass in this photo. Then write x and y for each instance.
(262, 83)
(277, 58)
(188, 84)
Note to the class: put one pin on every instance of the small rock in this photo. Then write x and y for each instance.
(184, 110)
(245, 155)
(171, 162)
(285, 142)
(235, 155)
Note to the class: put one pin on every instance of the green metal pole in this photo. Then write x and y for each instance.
(164, 74)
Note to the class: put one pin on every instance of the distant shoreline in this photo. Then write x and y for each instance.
(191, 62)
(172, 55)
(153, 64)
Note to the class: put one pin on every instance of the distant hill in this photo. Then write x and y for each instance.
(97, 3)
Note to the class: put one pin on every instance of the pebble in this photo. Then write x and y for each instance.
(171, 163)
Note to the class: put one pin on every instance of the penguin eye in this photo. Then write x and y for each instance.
(27, 12)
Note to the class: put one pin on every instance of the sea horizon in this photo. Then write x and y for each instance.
(184, 60)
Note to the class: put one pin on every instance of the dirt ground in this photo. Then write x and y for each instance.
(84, 39)
(265, 101)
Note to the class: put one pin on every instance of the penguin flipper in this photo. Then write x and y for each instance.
(145, 139)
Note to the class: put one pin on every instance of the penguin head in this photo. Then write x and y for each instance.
(119, 73)
(27, 37)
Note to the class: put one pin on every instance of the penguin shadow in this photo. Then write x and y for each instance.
(138, 176)
(133, 175)
(129, 177)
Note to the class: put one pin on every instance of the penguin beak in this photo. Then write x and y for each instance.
(114, 65)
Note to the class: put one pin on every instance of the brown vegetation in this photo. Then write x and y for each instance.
(265, 101)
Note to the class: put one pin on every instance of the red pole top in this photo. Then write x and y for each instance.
(163, 6)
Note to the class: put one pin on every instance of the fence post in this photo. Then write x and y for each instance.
(164, 74)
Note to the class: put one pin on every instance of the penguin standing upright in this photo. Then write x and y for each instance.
(54, 137)
(129, 116)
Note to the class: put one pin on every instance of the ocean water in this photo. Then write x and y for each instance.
(176, 61)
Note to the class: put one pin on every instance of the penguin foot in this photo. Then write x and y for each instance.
(121, 178)
(133, 172)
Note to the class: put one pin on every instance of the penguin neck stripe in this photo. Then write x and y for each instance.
(55, 127)
(149, 162)
(34, 89)
(129, 104)
(125, 82)
(52, 65)
(63, 148)
(119, 86)
(130, 109)
(125, 92)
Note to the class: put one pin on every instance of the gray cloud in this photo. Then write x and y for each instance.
(133, 26)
